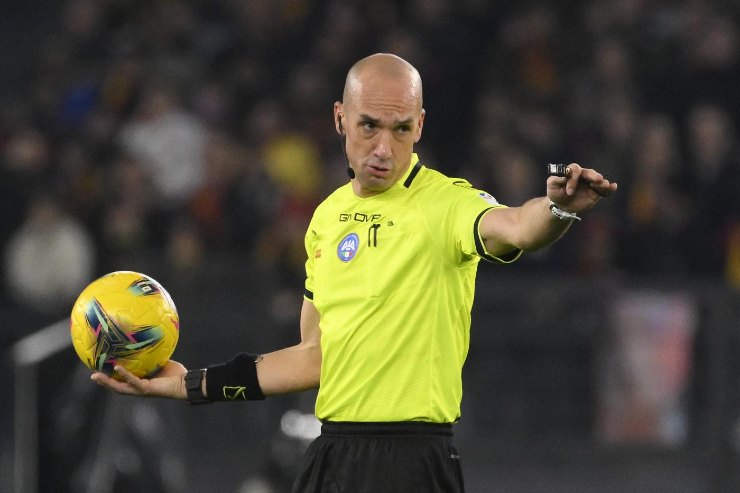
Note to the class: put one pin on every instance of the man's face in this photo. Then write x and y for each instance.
(382, 121)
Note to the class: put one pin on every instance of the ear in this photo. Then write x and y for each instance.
(338, 118)
(417, 137)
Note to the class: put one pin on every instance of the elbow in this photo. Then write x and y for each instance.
(313, 363)
(533, 246)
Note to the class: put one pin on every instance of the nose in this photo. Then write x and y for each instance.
(383, 145)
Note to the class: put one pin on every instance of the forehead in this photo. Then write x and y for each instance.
(376, 95)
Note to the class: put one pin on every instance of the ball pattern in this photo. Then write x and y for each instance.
(124, 318)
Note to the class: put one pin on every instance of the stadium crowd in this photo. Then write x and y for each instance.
(188, 131)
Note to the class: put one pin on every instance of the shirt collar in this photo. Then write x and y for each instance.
(412, 165)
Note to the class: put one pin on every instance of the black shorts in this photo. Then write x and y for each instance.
(381, 457)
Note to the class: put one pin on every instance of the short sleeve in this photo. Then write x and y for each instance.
(469, 208)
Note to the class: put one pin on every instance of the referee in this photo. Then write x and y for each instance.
(390, 278)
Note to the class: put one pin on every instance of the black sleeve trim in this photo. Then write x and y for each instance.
(412, 175)
(481, 249)
(308, 294)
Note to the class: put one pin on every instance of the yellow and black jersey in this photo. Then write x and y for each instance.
(392, 277)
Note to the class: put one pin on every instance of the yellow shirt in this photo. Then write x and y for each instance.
(392, 277)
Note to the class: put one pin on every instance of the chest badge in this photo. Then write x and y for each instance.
(348, 247)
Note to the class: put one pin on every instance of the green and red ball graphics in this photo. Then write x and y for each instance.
(125, 318)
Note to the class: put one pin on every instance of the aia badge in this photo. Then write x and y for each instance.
(347, 248)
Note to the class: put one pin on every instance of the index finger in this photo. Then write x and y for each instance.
(600, 183)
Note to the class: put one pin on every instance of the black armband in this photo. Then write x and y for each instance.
(235, 380)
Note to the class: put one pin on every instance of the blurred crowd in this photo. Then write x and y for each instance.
(187, 131)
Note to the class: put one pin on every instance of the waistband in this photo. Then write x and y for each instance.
(393, 428)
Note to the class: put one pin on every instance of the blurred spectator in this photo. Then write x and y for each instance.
(24, 166)
(292, 162)
(710, 49)
(715, 172)
(50, 259)
(184, 251)
(82, 182)
(223, 163)
(510, 174)
(658, 204)
(169, 143)
(127, 219)
(237, 200)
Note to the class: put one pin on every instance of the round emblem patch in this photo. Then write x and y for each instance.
(348, 247)
(488, 198)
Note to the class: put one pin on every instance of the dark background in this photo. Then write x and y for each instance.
(192, 140)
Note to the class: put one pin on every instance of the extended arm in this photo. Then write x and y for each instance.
(292, 369)
(532, 225)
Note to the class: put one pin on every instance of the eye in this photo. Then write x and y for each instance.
(368, 126)
(403, 129)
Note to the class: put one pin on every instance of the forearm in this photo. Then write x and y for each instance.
(289, 370)
(293, 369)
(529, 227)
(539, 227)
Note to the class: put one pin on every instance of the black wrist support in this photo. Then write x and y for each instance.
(235, 380)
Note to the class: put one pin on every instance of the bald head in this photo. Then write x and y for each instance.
(380, 119)
(385, 66)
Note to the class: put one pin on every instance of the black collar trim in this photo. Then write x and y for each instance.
(412, 175)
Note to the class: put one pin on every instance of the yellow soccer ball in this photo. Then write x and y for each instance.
(125, 318)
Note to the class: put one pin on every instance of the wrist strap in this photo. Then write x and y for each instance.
(235, 380)
(193, 383)
(561, 214)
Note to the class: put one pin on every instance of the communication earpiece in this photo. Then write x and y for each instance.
(350, 171)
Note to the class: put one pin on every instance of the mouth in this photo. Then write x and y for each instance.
(379, 170)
